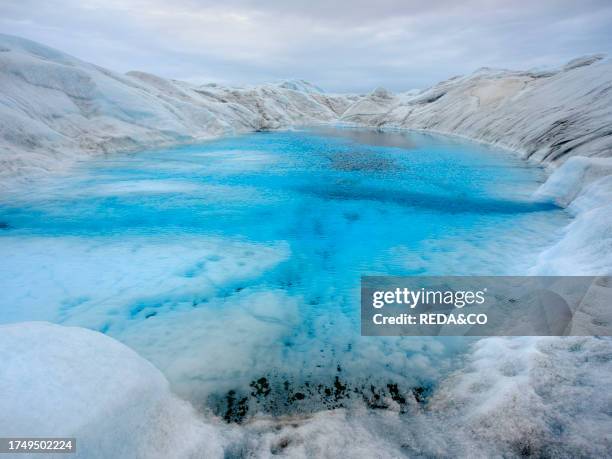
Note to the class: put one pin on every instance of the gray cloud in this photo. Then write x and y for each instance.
(339, 45)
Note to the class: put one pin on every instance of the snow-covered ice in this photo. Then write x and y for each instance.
(55, 109)
(71, 382)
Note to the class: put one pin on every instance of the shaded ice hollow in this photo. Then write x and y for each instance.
(519, 396)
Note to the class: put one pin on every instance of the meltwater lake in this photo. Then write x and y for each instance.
(234, 265)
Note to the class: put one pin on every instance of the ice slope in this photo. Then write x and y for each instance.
(584, 185)
(547, 116)
(55, 108)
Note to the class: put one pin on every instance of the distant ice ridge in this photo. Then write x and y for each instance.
(539, 397)
(55, 109)
(546, 116)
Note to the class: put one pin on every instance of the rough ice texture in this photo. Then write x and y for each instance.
(585, 186)
(546, 116)
(55, 109)
(513, 397)
(60, 381)
(541, 397)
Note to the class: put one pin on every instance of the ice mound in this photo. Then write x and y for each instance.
(583, 61)
(370, 108)
(585, 186)
(573, 178)
(73, 382)
(300, 85)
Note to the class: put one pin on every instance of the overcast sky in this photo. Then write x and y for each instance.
(339, 45)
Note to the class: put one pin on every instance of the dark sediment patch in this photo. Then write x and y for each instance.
(279, 396)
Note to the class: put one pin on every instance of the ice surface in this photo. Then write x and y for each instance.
(586, 248)
(512, 397)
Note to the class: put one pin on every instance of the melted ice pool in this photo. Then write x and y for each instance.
(239, 259)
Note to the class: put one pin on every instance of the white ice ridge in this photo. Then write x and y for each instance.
(544, 397)
(55, 108)
(546, 116)
(584, 185)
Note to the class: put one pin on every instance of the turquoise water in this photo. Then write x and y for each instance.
(237, 258)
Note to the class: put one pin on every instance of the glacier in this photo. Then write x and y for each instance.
(543, 397)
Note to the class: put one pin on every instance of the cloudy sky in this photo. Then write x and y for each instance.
(349, 45)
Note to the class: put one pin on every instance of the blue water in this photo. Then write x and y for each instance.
(240, 257)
